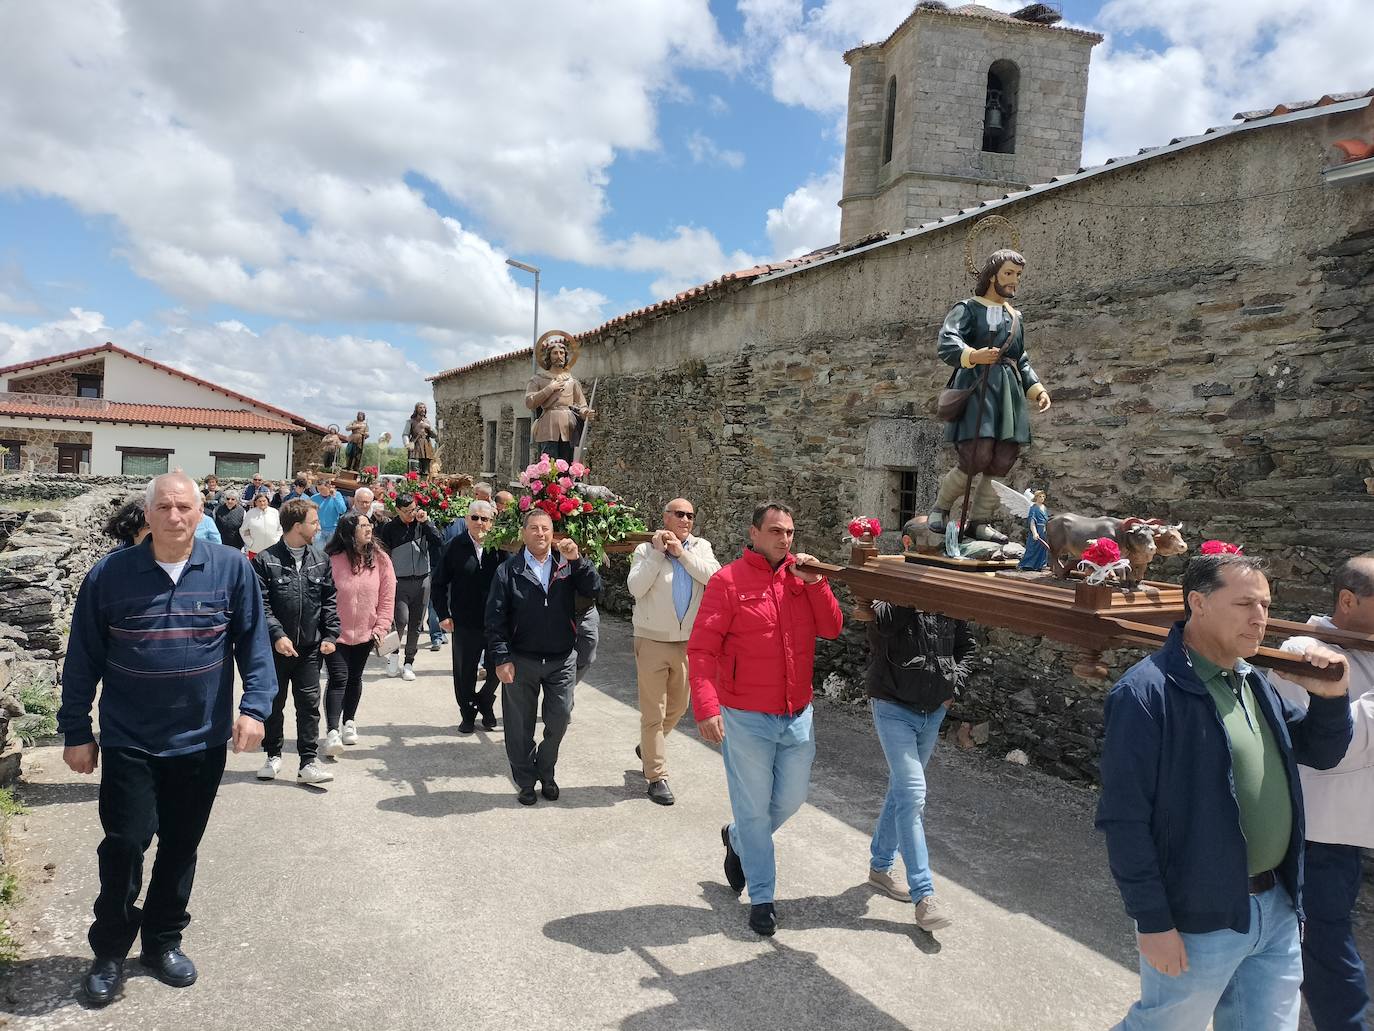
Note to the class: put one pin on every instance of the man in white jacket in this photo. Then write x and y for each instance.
(1340, 818)
(667, 578)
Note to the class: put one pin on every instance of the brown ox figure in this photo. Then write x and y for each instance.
(1140, 540)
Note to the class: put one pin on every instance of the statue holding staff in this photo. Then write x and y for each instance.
(985, 402)
(556, 397)
(420, 438)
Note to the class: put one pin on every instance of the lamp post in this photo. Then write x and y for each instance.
(534, 358)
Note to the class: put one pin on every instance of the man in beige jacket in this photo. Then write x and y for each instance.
(667, 577)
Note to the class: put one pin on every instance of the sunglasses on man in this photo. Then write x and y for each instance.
(682, 515)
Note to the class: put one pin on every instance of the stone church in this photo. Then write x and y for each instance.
(1200, 313)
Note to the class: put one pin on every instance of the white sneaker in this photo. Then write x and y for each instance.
(270, 768)
(333, 744)
(313, 773)
(407, 673)
(350, 733)
(393, 665)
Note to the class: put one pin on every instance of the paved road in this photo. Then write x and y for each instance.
(416, 893)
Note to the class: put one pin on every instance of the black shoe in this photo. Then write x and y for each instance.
(467, 726)
(763, 919)
(734, 869)
(527, 796)
(639, 754)
(435, 644)
(488, 721)
(660, 792)
(102, 980)
(550, 790)
(171, 966)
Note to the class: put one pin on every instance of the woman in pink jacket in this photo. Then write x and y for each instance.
(366, 589)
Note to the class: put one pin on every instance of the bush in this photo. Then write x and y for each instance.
(40, 713)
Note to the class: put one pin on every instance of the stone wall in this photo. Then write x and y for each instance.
(308, 450)
(61, 382)
(462, 437)
(1209, 364)
(40, 446)
(41, 567)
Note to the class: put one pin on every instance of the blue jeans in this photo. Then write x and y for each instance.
(435, 630)
(908, 738)
(768, 771)
(1333, 978)
(1238, 981)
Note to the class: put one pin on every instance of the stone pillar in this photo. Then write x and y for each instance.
(863, 141)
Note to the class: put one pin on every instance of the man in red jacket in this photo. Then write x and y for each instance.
(750, 659)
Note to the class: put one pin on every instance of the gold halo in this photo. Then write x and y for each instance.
(982, 226)
(574, 347)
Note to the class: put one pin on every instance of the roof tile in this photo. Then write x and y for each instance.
(15, 406)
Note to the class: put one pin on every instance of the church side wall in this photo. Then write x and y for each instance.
(1210, 364)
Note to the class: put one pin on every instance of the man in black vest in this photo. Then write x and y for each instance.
(461, 584)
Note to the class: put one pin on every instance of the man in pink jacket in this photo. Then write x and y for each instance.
(750, 659)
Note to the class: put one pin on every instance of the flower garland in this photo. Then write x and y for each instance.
(437, 500)
(578, 510)
(1219, 548)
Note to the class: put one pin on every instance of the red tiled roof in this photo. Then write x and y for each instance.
(686, 299)
(982, 13)
(115, 349)
(1302, 105)
(153, 415)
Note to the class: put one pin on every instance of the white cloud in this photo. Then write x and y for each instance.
(809, 217)
(1216, 63)
(695, 255)
(706, 151)
(273, 157)
(319, 377)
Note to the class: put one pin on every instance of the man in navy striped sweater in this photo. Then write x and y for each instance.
(162, 626)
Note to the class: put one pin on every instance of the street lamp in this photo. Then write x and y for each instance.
(534, 358)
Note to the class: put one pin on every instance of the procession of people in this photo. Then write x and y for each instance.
(1233, 802)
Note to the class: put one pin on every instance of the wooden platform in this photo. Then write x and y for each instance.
(1093, 618)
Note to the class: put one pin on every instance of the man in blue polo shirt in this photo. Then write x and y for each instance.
(161, 625)
(1203, 811)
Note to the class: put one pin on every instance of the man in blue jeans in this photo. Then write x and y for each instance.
(916, 662)
(750, 659)
(1203, 811)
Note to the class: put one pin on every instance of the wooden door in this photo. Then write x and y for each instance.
(70, 457)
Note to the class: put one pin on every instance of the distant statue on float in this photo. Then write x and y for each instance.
(420, 439)
(556, 398)
(357, 437)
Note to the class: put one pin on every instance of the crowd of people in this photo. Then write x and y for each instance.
(1208, 764)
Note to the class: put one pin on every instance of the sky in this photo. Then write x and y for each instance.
(313, 203)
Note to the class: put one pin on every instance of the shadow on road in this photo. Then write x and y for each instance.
(33, 987)
(35, 795)
(784, 987)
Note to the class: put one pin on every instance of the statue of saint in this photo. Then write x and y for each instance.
(420, 438)
(557, 399)
(357, 437)
(984, 340)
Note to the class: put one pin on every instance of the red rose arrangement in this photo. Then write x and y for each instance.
(559, 488)
(1219, 548)
(864, 526)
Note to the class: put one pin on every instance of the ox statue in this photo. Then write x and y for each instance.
(1140, 541)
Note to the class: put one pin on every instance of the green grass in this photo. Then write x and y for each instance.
(9, 805)
(40, 713)
(31, 504)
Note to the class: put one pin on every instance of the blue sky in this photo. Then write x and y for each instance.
(264, 194)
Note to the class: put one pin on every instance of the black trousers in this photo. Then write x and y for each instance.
(555, 678)
(142, 795)
(468, 643)
(411, 612)
(557, 449)
(345, 687)
(302, 672)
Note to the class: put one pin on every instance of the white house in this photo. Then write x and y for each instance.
(108, 411)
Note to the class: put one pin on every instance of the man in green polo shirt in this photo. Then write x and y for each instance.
(1202, 808)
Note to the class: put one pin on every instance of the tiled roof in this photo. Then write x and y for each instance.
(699, 294)
(1301, 105)
(687, 299)
(108, 348)
(43, 407)
(982, 13)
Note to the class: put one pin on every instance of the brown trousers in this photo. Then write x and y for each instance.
(992, 458)
(664, 694)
